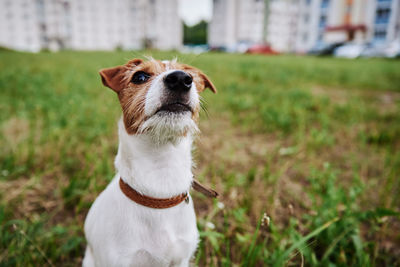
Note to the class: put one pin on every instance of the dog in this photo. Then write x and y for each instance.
(145, 216)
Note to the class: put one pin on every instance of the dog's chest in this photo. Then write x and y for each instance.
(173, 239)
(168, 235)
(129, 231)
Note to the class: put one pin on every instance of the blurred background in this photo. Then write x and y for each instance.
(302, 140)
(347, 28)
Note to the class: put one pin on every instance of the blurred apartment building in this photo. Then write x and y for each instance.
(236, 22)
(359, 21)
(32, 25)
(281, 24)
(299, 25)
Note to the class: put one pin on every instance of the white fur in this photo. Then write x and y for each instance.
(163, 129)
(158, 164)
(154, 94)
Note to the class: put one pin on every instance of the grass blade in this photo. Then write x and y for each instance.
(297, 244)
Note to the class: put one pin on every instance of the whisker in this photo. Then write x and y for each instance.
(203, 106)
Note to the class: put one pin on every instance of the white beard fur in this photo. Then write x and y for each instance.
(162, 128)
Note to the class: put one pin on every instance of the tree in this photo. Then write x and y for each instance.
(196, 34)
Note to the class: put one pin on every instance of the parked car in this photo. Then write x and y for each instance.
(350, 50)
(323, 49)
(261, 49)
(218, 49)
(195, 49)
(391, 50)
(243, 46)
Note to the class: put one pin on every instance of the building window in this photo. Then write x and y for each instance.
(382, 16)
(380, 34)
(324, 3)
(322, 21)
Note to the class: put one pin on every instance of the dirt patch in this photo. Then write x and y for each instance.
(28, 196)
(222, 143)
(15, 130)
(383, 101)
(337, 96)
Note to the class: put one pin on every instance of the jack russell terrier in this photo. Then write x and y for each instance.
(145, 216)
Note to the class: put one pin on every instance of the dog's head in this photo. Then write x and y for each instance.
(159, 98)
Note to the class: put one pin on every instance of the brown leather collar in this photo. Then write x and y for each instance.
(151, 202)
(163, 203)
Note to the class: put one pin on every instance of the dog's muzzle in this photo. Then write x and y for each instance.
(177, 92)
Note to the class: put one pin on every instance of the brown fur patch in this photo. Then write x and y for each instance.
(133, 96)
(199, 78)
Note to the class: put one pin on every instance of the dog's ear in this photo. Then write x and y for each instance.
(208, 83)
(201, 80)
(112, 77)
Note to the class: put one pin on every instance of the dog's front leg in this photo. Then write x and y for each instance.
(88, 260)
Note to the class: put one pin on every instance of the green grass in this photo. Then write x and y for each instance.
(314, 143)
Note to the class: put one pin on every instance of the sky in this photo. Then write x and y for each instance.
(193, 11)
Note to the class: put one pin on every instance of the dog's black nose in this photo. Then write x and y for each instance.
(178, 81)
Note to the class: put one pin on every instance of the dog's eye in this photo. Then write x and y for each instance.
(140, 77)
